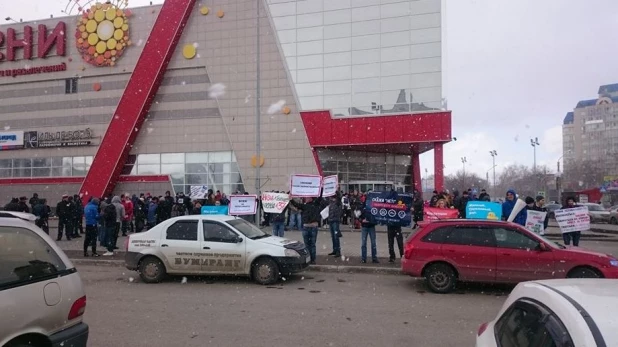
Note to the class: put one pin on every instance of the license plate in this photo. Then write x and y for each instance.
(308, 259)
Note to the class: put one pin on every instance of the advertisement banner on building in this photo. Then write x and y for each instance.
(535, 221)
(433, 213)
(241, 205)
(483, 210)
(198, 192)
(573, 219)
(70, 138)
(330, 184)
(306, 185)
(214, 210)
(275, 202)
(11, 140)
(389, 208)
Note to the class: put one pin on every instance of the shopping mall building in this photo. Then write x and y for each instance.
(122, 99)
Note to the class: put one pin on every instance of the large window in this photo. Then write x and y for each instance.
(217, 170)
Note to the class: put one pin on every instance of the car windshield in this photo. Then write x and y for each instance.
(248, 229)
(595, 208)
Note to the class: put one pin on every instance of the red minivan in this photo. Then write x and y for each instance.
(468, 250)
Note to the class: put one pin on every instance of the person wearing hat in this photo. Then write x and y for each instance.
(540, 206)
(63, 212)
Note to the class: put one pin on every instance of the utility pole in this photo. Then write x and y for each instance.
(494, 154)
(464, 161)
(258, 140)
(534, 143)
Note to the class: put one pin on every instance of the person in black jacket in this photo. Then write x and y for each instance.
(64, 222)
(23, 205)
(34, 200)
(78, 224)
(368, 228)
(13, 205)
(335, 212)
(310, 217)
(573, 235)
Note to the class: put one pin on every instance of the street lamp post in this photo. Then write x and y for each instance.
(494, 154)
(534, 143)
(258, 140)
(464, 161)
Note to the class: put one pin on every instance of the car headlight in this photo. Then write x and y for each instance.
(291, 253)
(613, 262)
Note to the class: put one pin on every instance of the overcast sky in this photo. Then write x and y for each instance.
(512, 70)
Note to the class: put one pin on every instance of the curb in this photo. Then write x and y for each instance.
(312, 268)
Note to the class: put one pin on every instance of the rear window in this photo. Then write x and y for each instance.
(437, 236)
(25, 258)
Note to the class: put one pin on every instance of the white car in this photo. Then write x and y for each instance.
(213, 244)
(42, 299)
(561, 313)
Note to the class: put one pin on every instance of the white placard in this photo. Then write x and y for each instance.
(305, 185)
(198, 192)
(12, 139)
(242, 205)
(535, 221)
(275, 202)
(325, 212)
(573, 219)
(330, 184)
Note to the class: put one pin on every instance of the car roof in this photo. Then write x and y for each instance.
(595, 296)
(470, 221)
(20, 215)
(215, 217)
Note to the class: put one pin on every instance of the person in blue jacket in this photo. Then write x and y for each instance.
(509, 204)
(91, 212)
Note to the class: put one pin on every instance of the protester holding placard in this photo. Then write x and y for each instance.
(368, 229)
(310, 217)
(278, 221)
(540, 206)
(509, 204)
(572, 235)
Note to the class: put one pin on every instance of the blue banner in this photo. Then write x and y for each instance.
(389, 208)
(214, 209)
(483, 210)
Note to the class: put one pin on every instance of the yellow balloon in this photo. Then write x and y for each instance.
(101, 47)
(118, 34)
(91, 26)
(110, 14)
(111, 44)
(125, 27)
(93, 39)
(204, 10)
(99, 15)
(118, 22)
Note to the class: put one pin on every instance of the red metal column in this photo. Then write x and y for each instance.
(416, 172)
(438, 162)
(137, 98)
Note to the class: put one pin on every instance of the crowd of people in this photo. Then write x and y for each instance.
(106, 218)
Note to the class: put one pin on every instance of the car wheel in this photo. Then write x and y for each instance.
(265, 271)
(440, 278)
(151, 270)
(613, 221)
(583, 272)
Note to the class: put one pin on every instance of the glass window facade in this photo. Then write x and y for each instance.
(362, 56)
(217, 170)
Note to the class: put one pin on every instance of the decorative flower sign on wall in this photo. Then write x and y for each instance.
(103, 33)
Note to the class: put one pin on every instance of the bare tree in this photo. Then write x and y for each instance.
(524, 180)
(583, 174)
(460, 182)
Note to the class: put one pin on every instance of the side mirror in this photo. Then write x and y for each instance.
(238, 239)
(542, 247)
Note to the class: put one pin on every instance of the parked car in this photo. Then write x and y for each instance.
(42, 298)
(597, 213)
(613, 215)
(213, 244)
(568, 313)
(551, 208)
(464, 250)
